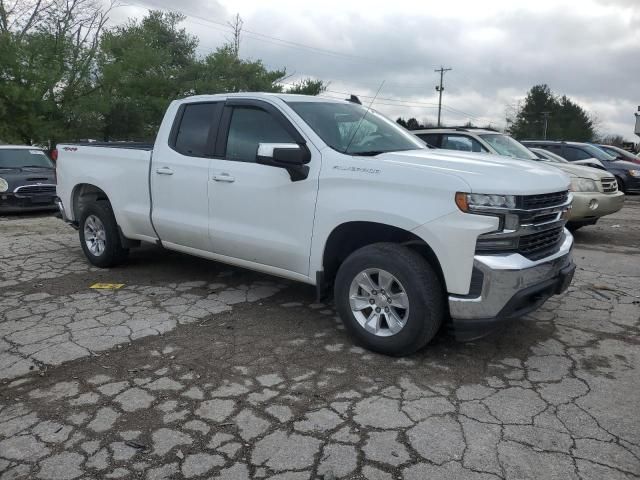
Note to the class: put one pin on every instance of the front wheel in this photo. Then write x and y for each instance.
(390, 298)
(99, 236)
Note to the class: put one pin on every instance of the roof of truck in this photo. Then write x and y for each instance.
(287, 97)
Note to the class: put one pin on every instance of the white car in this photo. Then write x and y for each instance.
(329, 193)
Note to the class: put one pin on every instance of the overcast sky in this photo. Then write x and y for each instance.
(588, 50)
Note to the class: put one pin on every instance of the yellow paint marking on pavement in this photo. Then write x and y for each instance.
(107, 286)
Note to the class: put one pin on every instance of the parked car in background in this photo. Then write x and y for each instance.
(627, 174)
(333, 194)
(27, 179)
(595, 192)
(619, 153)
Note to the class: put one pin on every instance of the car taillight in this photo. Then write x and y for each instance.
(54, 154)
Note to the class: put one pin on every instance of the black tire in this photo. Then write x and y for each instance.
(572, 227)
(621, 186)
(423, 288)
(114, 253)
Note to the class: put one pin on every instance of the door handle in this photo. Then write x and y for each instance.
(164, 171)
(224, 177)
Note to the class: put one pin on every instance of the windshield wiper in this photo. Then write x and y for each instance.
(37, 166)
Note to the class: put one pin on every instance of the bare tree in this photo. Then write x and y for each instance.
(236, 31)
(52, 47)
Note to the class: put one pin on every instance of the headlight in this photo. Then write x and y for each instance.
(471, 201)
(583, 185)
(4, 186)
(634, 173)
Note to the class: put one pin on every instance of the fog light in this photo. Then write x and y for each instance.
(593, 204)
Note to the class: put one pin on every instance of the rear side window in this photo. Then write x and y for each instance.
(250, 126)
(573, 153)
(432, 139)
(196, 124)
(557, 149)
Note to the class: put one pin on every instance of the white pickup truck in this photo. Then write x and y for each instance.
(330, 193)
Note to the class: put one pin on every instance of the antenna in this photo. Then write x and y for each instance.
(362, 118)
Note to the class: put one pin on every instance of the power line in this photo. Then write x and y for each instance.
(220, 25)
(262, 36)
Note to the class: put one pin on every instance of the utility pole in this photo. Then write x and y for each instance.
(545, 115)
(439, 89)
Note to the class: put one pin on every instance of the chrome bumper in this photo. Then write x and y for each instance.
(512, 285)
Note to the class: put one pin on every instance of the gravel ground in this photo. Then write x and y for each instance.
(194, 369)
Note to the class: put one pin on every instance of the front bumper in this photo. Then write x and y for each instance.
(9, 203)
(511, 286)
(631, 184)
(593, 205)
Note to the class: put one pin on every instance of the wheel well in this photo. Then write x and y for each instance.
(349, 237)
(85, 193)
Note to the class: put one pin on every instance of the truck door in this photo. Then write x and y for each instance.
(257, 213)
(179, 176)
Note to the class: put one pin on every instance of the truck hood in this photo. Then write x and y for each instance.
(485, 173)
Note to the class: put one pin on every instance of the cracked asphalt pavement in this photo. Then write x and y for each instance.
(195, 369)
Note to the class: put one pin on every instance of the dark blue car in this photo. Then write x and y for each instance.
(627, 174)
(27, 179)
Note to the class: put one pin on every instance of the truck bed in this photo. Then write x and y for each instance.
(121, 170)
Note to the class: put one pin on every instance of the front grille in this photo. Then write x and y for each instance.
(35, 191)
(545, 200)
(609, 185)
(538, 245)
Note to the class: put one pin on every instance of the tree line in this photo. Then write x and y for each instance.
(64, 76)
(565, 120)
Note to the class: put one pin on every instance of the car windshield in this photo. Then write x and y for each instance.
(595, 152)
(617, 152)
(349, 128)
(505, 145)
(24, 157)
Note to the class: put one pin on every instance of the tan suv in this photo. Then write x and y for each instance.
(595, 192)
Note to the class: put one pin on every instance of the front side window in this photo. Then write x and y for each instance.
(352, 129)
(507, 146)
(462, 143)
(24, 158)
(193, 133)
(250, 126)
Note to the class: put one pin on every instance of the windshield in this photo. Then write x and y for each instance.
(22, 157)
(595, 152)
(505, 145)
(617, 152)
(343, 128)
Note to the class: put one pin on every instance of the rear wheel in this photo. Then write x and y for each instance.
(389, 298)
(99, 236)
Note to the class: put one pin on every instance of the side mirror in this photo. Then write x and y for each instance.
(290, 156)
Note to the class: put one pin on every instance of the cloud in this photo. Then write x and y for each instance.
(497, 50)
